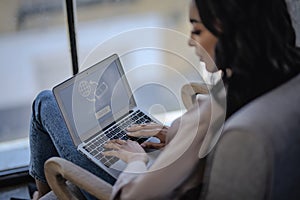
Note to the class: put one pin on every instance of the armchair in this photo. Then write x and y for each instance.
(59, 170)
(257, 156)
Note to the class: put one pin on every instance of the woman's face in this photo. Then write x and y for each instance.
(201, 39)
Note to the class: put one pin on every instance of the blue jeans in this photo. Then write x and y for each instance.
(49, 137)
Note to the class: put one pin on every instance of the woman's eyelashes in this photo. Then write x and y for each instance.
(196, 32)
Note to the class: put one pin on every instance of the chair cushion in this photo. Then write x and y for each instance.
(257, 156)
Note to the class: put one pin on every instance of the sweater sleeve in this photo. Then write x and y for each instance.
(132, 170)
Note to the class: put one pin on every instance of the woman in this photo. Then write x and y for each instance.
(256, 52)
(256, 45)
(49, 135)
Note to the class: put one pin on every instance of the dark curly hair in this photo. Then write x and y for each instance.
(256, 42)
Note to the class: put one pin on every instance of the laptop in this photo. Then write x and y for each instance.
(98, 105)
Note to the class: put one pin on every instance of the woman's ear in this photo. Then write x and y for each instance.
(218, 26)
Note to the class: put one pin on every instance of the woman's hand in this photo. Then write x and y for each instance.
(149, 130)
(128, 151)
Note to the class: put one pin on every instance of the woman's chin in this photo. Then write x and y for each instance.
(211, 69)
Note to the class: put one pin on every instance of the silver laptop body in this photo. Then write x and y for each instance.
(97, 105)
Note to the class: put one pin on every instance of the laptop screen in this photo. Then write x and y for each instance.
(94, 98)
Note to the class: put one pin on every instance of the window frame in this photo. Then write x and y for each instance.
(18, 175)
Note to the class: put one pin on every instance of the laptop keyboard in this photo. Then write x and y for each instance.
(95, 146)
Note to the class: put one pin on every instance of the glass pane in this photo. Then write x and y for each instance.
(34, 55)
(152, 21)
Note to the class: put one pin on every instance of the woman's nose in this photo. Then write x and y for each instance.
(191, 42)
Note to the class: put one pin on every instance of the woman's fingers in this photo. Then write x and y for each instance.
(137, 127)
(144, 133)
(114, 144)
(111, 153)
(118, 141)
(111, 145)
(126, 150)
(127, 145)
(152, 145)
(145, 130)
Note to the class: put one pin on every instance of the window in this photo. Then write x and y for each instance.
(34, 55)
(117, 26)
(34, 52)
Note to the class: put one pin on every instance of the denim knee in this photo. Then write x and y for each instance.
(44, 100)
(44, 97)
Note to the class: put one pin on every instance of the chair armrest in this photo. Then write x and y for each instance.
(59, 170)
